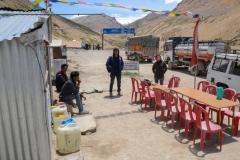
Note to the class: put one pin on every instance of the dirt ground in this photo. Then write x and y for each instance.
(124, 133)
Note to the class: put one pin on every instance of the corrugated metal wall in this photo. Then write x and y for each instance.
(24, 115)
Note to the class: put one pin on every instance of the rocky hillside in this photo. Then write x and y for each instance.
(15, 4)
(66, 29)
(221, 21)
(69, 29)
(207, 7)
(98, 22)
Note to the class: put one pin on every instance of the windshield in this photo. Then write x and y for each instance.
(220, 65)
(168, 46)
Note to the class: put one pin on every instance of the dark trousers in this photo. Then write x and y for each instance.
(159, 79)
(118, 76)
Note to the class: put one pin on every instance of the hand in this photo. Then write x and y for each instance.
(84, 97)
(79, 81)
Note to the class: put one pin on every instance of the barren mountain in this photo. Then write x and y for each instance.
(221, 21)
(63, 28)
(98, 22)
(23, 5)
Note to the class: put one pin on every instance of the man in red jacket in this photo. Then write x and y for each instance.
(61, 77)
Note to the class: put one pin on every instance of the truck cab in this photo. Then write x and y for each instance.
(224, 70)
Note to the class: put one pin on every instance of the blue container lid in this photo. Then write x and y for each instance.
(68, 121)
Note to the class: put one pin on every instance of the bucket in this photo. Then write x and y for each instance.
(57, 121)
(59, 110)
(68, 138)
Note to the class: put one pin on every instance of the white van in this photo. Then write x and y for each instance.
(224, 70)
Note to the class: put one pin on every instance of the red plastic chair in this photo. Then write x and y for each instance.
(229, 113)
(173, 107)
(229, 94)
(187, 114)
(205, 126)
(211, 89)
(174, 82)
(202, 85)
(146, 94)
(135, 88)
(159, 101)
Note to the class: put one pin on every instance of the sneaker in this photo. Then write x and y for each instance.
(84, 112)
(74, 105)
(120, 94)
(110, 94)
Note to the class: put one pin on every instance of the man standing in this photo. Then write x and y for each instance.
(159, 68)
(61, 77)
(115, 65)
(70, 91)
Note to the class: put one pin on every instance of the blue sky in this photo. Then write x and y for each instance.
(123, 16)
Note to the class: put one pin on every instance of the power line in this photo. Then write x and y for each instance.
(30, 14)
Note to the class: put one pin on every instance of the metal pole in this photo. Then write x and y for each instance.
(102, 41)
(195, 75)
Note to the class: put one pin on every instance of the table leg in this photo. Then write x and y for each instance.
(233, 119)
(219, 121)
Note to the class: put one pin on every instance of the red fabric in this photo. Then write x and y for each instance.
(80, 2)
(194, 60)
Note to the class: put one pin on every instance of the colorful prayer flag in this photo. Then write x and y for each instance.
(166, 14)
(53, 0)
(113, 5)
(134, 9)
(106, 5)
(121, 7)
(184, 13)
(80, 2)
(98, 4)
(73, 3)
(172, 15)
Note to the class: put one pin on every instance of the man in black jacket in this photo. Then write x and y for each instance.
(61, 77)
(70, 91)
(159, 68)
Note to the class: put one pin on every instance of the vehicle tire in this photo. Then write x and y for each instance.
(192, 71)
(149, 60)
(128, 57)
(136, 57)
(170, 64)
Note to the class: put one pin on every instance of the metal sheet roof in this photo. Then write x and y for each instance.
(15, 25)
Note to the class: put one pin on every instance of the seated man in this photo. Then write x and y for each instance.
(70, 91)
(61, 77)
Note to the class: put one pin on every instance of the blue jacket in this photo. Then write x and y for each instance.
(110, 63)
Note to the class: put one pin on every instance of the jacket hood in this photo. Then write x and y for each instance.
(114, 50)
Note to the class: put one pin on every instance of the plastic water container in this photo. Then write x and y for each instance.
(68, 138)
(219, 93)
(59, 110)
(57, 121)
(68, 121)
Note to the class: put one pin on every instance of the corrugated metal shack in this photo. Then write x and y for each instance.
(24, 87)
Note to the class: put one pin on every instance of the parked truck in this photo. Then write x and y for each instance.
(142, 48)
(224, 69)
(178, 52)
